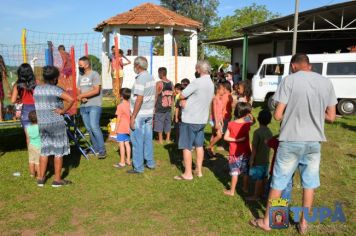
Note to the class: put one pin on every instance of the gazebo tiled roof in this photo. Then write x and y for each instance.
(149, 14)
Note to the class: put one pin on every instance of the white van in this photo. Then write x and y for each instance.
(340, 68)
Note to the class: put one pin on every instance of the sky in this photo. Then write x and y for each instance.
(79, 16)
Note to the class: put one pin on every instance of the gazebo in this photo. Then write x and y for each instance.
(151, 20)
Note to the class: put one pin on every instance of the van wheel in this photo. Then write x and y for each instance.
(346, 107)
(271, 103)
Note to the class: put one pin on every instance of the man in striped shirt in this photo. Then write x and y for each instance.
(142, 106)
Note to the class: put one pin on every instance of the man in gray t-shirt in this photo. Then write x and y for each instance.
(305, 100)
(142, 104)
(196, 98)
(90, 95)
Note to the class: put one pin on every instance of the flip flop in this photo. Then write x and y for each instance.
(255, 223)
(181, 177)
(118, 165)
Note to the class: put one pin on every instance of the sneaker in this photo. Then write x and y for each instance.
(40, 182)
(150, 168)
(102, 155)
(133, 172)
(56, 184)
(90, 153)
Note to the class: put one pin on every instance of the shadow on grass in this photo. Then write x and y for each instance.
(349, 127)
(175, 156)
(12, 139)
(351, 155)
(69, 162)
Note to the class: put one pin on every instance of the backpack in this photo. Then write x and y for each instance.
(166, 95)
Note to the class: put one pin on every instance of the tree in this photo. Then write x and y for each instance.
(199, 10)
(204, 11)
(227, 26)
(95, 63)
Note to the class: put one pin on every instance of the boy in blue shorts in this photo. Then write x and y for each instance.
(259, 160)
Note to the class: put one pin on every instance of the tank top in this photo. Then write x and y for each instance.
(27, 97)
(164, 99)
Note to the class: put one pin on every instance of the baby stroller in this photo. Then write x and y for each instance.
(77, 136)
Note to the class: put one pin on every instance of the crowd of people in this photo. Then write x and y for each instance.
(304, 101)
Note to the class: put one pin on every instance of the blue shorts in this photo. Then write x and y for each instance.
(293, 155)
(238, 165)
(191, 135)
(123, 138)
(259, 172)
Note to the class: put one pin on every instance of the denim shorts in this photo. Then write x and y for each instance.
(293, 155)
(259, 172)
(122, 138)
(26, 109)
(191, 135)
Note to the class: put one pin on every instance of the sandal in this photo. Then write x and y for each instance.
(181, 177)
(119, 165)
(257, 225)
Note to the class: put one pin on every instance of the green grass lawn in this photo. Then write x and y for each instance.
(104, 200)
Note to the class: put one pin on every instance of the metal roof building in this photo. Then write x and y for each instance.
(325, 29)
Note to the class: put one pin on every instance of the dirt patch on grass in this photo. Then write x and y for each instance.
(77, 215)
(29, 216)
(29, 232)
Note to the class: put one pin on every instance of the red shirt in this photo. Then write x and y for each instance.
(273, 143)
(27, 97)
(239, 130)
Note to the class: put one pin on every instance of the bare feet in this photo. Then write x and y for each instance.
(260, 224)
(229, 192)
(198, 174)
(302, 228)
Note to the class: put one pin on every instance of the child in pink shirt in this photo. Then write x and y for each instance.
(217, 115)
(122, 128)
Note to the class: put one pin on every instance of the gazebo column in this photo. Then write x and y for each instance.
(194, 45)
(105, 51)
(168, 42)
(135, 45)
(117, 34)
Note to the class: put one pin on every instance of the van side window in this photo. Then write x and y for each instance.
(317, 67)
(341, 68)
(274, 69)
